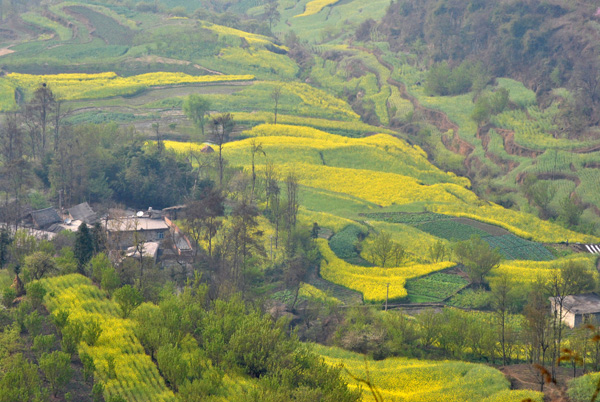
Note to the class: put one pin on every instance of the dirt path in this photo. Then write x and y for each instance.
(525, 376)
(345, 295)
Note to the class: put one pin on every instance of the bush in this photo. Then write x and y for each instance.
(8, 296)
(35, 293)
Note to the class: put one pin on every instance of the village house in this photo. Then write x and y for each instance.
(578, 309)
(129, 230)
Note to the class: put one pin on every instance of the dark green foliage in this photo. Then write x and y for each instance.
(56, 367)
(5, 240)
(84, 246)
(443, 81)
(345, 244)
(110, 280)
(128, 298)
(60, 319)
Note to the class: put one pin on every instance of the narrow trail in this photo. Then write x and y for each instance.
(347, 296)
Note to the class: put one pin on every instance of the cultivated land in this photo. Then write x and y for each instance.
(412, 165)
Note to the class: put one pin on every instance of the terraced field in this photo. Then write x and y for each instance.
(412, 380)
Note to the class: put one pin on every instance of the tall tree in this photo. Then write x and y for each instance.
(254, 149)
(502, 297)
(222, 127)
(202, 218)
(195, 108)
(84, 247)
(42, 106)
(272, 13)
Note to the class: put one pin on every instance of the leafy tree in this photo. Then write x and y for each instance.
(437, 251)
(43, 343)
(202, 217)
(503, 303)
(33, 323)
(383, 250)
(35, 293)
(84, 247)
(128, 299)
(72, 333)
(195, 108)
(98, 264)
(275, 95)
(89, 368)
(272, 14)
(478, 258)
(110, 280)
(571, 212)
(20, 381)
(38, 264)
(56, 366)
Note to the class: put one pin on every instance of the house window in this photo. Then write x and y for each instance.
(161, 235)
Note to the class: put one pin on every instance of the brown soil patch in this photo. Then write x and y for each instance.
(512, 148)
(5, 51)
(525, 376)
(592, 165)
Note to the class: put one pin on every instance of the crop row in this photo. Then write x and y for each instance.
(121, 364)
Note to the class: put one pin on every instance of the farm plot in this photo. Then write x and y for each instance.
(457, 229)
(105, 27)
(401, 379)
(436, 287)
(122, 365)
(372, 281)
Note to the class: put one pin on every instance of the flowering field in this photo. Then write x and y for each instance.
(410, 380)
(103, 85)
(371, 281)
(529, 271)
(135, 378)
(315, 6)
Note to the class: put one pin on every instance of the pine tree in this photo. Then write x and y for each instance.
(84, 247)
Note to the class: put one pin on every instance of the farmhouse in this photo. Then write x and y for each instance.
(126, 231)
(579, 309)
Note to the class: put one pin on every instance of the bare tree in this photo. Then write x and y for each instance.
(254, 149)
(275, 95)
(222, 127)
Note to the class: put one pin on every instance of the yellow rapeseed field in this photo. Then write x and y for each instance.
(371, 281)
(102, 85)
(136, 377)
(401, 379)
(314, 6)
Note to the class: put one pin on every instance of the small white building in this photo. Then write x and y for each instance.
(578, 309)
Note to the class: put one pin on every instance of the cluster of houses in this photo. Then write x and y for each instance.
(149, 234)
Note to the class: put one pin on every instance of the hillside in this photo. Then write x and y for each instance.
(438, 157)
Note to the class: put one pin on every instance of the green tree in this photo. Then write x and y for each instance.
(20, 381)
(195, 108)
(128, 298)
(478, 258)
(84, 247)
(35, 293)
(383, 251)
(56, 367)
(571, 212)
(98, 264)
(38, 264)
(110, 280)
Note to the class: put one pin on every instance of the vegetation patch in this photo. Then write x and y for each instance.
(345, 245)
(436, 287)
